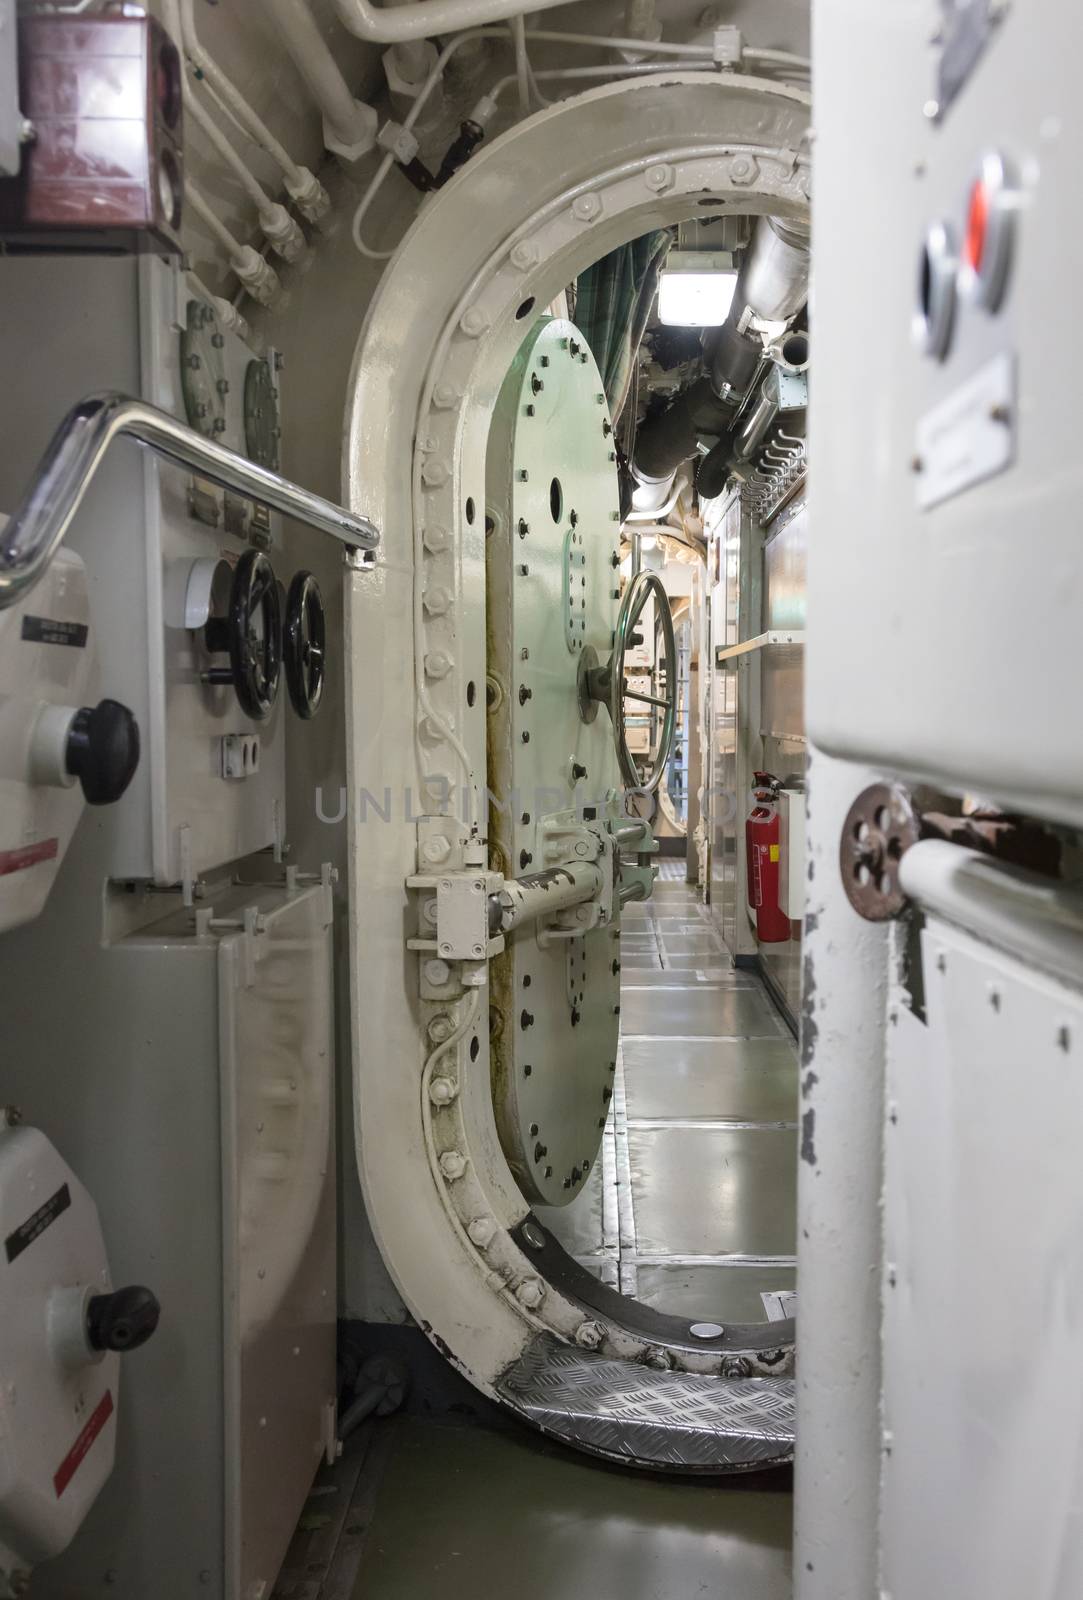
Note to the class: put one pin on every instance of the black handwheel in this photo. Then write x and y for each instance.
(252, 634)
(304, 644)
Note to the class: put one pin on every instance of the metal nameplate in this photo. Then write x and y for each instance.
(969, 436)
(54, 630)
(34, 1226)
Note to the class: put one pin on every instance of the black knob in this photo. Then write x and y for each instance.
(103, 750)
(122, 1320)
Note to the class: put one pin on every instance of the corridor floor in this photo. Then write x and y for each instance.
(691, 1209)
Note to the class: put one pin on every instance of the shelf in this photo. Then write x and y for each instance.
(794, 637)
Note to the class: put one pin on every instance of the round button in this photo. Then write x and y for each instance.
(938, 267)
(991, 221)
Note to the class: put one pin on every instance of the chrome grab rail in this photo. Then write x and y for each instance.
(39, 523)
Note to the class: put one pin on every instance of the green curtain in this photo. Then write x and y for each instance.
(613, 302)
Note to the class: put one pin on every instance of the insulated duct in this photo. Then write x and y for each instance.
(789, 358)
(772, 286)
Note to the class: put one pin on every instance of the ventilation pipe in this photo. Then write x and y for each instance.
(772, 286)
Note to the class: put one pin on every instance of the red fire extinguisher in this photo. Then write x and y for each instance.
(762, 834)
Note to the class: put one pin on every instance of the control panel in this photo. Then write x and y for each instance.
(202, 630)
(57, 752)
(945, 428)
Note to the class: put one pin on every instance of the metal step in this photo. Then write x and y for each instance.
(669, 1421)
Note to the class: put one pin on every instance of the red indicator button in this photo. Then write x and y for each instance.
(992, 214)
(977, 224)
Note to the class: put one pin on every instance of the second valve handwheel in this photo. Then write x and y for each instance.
(304, 645)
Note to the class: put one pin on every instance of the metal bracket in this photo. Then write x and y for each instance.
(456, 884)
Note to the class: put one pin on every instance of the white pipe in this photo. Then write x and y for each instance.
(206, 213)
(411, 117)
(280, 229)
(626, 69)
(303, 187)
(1037, 920)
(700, 52)
(257, 276)
(655, 48)
(426, 18)
(522, 65)
(349, 122)
(657, 513)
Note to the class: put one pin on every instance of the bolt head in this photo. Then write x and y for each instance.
(482, 1231)
(530, 1293)
(743, 169)
(589, 1335)
(585, 207)
(452, 1164)
(736, 1367)
(440, 1028)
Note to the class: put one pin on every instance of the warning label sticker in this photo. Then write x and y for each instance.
(81, 1448)
(27, 855)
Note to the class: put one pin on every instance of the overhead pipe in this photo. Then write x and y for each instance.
(772, 286)
(427, 18)
(789, 355)
(40, 522)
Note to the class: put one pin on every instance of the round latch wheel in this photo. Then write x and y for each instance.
(605, 685)
(880, 827)
(304, 645)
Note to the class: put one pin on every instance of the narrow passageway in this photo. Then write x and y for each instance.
(691, 1209)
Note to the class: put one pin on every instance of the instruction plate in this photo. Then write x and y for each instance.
(968, 437)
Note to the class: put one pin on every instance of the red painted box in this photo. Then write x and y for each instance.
(104, 170)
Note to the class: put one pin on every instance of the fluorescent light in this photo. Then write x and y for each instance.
(696, 288)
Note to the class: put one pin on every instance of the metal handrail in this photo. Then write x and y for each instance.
(39, 523)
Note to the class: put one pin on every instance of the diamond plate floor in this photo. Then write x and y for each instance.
(692, 1208)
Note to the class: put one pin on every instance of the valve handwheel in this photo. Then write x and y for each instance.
(304, 644)
(252, 634)
(600, 685)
